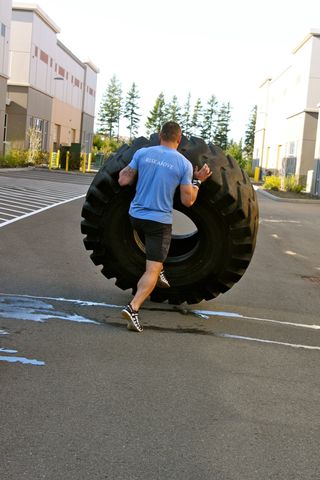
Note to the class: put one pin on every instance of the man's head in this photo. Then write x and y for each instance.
(170, 134)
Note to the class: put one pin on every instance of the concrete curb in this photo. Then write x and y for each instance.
(286, 200)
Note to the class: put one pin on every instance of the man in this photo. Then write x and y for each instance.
(160, 170)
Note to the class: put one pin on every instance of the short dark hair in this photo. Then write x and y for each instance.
(170, 131)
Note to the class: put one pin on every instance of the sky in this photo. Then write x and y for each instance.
(226, 48)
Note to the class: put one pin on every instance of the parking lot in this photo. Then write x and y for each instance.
(226, 389)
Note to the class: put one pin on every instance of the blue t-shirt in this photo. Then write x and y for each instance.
(160, 170)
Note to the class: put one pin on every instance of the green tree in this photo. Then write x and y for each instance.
(249, 134)
(157, 115)
(105, 144)
(196, 120)
(173, 110)
(131, 110)
(186, 117)
(97, 141)
(110, 109)
(235, 150)
(209, 119)
(223, 126)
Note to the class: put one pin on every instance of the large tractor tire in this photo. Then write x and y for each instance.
(202, 263)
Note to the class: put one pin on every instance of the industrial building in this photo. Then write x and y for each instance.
(47, 87)
(287, 137)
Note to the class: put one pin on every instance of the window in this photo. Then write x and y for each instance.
(44, 57)
(76, 82)
(40, 126)
(3, 30)
(292, 149)
(45, 134)
(36, 51)
(5, 127)
(62, 71)
(51, 62)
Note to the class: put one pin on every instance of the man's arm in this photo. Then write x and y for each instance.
(127, 176)
(189, 192)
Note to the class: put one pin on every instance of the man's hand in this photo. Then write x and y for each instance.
(127, 176)
(203, 173)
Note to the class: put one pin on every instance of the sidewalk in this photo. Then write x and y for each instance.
(289, 197)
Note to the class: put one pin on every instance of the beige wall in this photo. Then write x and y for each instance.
(308, 145)
(47, 81)
(17, 116)
(288, 113)
(5, 24)
(3, 95)
(69, 119)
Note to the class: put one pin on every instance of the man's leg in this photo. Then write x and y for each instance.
(146, 283)
(157, 242)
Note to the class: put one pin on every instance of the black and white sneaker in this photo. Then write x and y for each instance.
(132, 318)
(162, 281)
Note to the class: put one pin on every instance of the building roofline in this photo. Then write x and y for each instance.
(268, 79)
(72, 55)
(91, 65)
(76, 59)
(314, 32)
(33, 7)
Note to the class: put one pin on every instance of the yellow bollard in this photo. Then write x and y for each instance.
(58, 159)
(67, 161)
(50, 159)
(84, 163)
(256, 174)
(89, 161)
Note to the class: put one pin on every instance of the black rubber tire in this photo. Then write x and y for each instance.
(201, 264)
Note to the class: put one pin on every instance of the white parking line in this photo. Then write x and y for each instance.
(19, 201)
(30, 193)
(31, 309)
(18, 195)
(10, 209)
(206, 313)
(261, 340)
(7, 222)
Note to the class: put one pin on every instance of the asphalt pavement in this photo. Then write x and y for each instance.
(227, 389)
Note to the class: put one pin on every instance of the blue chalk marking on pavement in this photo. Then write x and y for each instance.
(7, 350)
(23, 360)
(22, 308)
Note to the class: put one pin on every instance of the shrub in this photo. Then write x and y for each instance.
(272, 183)
(21, 158)
(14, 159)
(41, 158)
(291, 184)
(248, 168)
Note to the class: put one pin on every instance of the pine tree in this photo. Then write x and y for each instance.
(186, 117)
(196, 121)
(172, 111)
(157, 115)
(102, 119)
(249, 134)
(209, 119)
(223, 126)
(110, 109)
(131, 110)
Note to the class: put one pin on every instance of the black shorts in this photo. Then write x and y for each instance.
(155, 235)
